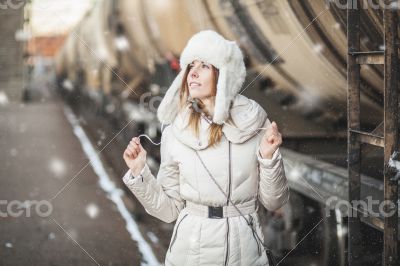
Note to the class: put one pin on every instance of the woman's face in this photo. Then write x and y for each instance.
(199, 79)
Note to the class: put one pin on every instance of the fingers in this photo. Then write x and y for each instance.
(135, 144)
(274, 138)
(272, 132)
(273, 127)
(128, 155)
(271, 139)
(133, 149)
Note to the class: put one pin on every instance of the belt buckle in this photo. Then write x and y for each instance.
(215, 212)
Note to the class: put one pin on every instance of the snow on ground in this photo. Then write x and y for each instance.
(113, 192)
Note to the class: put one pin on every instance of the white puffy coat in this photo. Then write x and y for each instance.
(205, 241)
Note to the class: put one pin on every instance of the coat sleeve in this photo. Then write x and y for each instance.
(159, 196)
(273, 185)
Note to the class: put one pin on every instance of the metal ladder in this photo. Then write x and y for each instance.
(386, 135)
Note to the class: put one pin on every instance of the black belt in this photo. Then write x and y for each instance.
(215, 212)
(220, 211)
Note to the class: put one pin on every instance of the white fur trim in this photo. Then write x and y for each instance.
(169, 106)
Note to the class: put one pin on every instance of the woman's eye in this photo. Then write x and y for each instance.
(206, 66)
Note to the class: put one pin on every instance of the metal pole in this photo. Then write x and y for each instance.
(391, 130)
(353, 123)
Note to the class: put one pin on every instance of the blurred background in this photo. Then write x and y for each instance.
(80, 78)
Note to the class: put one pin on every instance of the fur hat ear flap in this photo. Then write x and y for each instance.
(222, 100)
(169, 105)
(230, 80)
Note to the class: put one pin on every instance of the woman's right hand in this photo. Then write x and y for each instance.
(135, 156)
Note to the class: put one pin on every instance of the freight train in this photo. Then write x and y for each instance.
(117, 63)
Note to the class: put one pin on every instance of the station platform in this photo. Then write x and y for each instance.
(78, 222)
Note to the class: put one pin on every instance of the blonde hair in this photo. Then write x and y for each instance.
(194, 117)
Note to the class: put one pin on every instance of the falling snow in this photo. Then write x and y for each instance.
(57, 167)
(317, 48)
(121, 43)
(336, 26)
(3, 98)
(51, 236)
(110, 108)
(13, 152)
(67, 84)
(92, 210)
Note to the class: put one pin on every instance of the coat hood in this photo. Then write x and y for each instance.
(246, 116)
(210, 47)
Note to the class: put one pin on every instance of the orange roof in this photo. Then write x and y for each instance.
(46, 45)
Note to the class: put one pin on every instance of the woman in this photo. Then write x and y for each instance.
(215, 164)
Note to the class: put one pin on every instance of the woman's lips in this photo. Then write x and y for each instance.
(194, 84)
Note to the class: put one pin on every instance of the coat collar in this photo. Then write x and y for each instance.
(246, 117)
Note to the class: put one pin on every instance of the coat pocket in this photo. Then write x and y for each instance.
(175, 235)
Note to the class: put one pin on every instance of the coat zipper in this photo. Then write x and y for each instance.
(229, 182)
(176, 232)
(227, 242)
(227, 203)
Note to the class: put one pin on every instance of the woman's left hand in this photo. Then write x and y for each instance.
(270, 142)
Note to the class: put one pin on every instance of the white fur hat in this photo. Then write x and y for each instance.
(212, 48)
